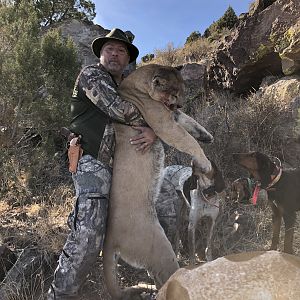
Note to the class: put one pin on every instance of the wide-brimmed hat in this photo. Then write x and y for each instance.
(115, 34)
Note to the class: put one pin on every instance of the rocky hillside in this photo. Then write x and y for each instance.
(262, 56)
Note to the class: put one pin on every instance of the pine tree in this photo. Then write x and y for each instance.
(148, 57)
(228, 20)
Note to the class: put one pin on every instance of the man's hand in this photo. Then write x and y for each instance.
(144, 139)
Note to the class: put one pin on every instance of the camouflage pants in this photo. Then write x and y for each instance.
(87, 223)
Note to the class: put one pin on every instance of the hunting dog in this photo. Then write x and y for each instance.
(283, 191)
(186, 187)
(241, 189)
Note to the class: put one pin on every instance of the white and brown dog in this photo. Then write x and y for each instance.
(186, 187)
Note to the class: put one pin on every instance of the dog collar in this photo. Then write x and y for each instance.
(255, 193)
(251, 184)
(275, 179)
(209, 192)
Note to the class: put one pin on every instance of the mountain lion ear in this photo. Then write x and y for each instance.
(179, 67)
(159, 81)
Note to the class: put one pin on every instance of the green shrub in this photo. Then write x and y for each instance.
(194, 36)
(222, 25)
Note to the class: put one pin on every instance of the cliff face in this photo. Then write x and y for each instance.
(82, 34)
(265, 42)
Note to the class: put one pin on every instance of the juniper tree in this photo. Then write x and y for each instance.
(227, 21)
(53, 11)
(37, 73)
(194, 36)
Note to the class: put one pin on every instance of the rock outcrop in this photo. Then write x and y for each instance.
(196, 86)
(290, 52)
(287, 91)
(82, 33)
(264, 43)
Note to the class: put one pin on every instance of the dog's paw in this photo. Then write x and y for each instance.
(206, 137)
(203, 167)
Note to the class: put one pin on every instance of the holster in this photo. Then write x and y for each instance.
(74, 148)
(74, 154)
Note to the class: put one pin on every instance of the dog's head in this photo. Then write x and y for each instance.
(213, 180)
(259, 165)
(241, 190)
(209, 184)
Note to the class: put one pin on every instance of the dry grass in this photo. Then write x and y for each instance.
(38, 224)
(197, 50)
(241, 125)
(191, 52)
(36, 201)
(33, 290)
(168, 56)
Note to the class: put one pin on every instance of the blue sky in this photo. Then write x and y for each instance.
(157, 23)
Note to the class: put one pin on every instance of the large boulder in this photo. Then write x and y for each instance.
(248, 276)
(26, 276)
(82, 33)
(286, 90)
(195, 80)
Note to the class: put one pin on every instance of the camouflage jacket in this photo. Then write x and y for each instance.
(99, 87)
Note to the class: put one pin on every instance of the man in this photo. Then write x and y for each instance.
(95, 102)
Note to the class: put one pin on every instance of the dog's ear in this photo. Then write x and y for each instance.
(266, 168)
(189, 184)
(218, 178)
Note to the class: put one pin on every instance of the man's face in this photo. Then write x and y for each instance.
(114, 57)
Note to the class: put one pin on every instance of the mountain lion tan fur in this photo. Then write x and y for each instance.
(133, 231)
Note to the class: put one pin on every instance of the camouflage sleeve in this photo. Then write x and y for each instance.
(100, 88)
